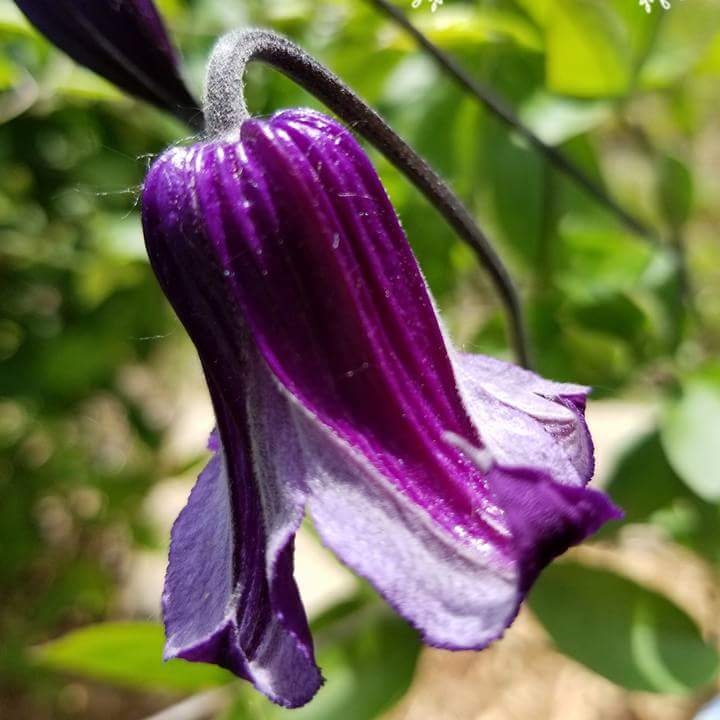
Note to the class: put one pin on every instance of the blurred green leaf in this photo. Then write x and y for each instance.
(613, 314)
(367, 654)
(567, 350)
(127, 654)
(588, 54)
(710, 62)
(675, 191)
(646, 487)
(649, 490)
(642, 467)
(627, 633)
(82, 85)
(691, 435)
(12, 21)
(9, 74)
(557, 119)
(598, 258)
(538, 10)
(684, 35)
(460, 26)
(517, 175)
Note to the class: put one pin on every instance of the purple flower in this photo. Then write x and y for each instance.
(125, 41)
(448, 480)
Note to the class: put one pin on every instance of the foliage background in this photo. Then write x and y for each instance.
(96, 372)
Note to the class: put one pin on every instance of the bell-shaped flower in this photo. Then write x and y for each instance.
(125, 41)
(447, 480)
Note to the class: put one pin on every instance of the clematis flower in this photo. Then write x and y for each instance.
(447, 480)
(125, 41)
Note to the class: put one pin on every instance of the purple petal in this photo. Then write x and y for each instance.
(230, 597)
(545, 517)
(527, 421)
(453, 588)
(448, 482)
(538, 448)
(125, 41)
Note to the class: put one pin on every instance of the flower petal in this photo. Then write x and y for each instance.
(525, 420)
(361, 349)
(546, 518)
(125, 42)
(450, 587)
(293, 231)
(285, 241)
(539, 454)
(230, 597)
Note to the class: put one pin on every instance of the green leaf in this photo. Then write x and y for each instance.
(710, 62)
(459, 26)
(671, 505)
(82, 85)
(614, 314)
(588, 53)
(368, 657)
(691, 435)
(557, 119)
(675, 191)
(685, 34)
(13, 22)
(627, 633)
(599, 259)
(9, 74)
(643, 464)
(127, 654)
(538, 10)
(517, 177)
(367, 654)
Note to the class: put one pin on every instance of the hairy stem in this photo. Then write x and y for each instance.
(225, 110)
(499, 107)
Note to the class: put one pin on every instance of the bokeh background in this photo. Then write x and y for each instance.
(103, 414)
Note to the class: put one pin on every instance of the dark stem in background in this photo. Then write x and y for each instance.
(225, 110)
(497, 105)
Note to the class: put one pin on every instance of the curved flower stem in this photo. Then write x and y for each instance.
(225, 110)
(498, 107)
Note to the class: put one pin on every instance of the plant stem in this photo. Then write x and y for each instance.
(225, 110)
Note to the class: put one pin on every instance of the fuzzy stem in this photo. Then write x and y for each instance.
(225, 110)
